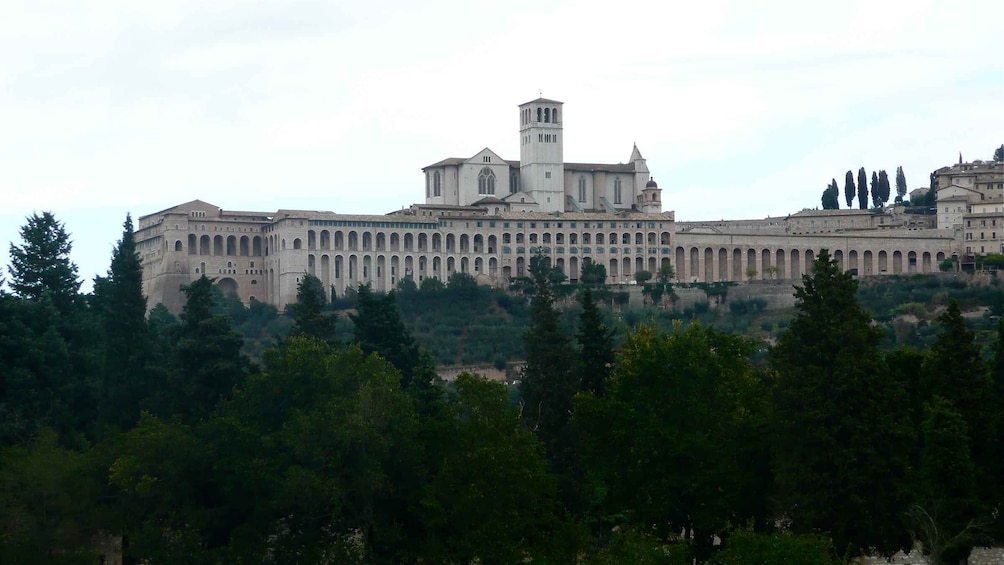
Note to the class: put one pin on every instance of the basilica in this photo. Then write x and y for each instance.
(487, 216)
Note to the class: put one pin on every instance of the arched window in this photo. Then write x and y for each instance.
(582, 189)
(540, 113)
(486, 181)
(617, 190)
(437, 186)
(547, 115)
(513, 183)
(554, 115)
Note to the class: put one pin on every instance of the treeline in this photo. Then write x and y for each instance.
(670, 446)
(879, 190)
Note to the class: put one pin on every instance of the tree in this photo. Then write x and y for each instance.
(642, 277)
(379, 329)
(835, 404)
(831, 196)
(308, 317)
(42, 263)
(596, 346)
(672, 438)
(207, 359)
(862, 189)
(549, 379)
(883, 183)
(954, 370)
(900, 184)
(876, 191)
(487, 454)
(593, 273)
(943, 514)
(666, 273)
(849, 189)
(999, 154)
(121, 308)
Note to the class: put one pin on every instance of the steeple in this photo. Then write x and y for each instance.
(541, 157)
(635, 154)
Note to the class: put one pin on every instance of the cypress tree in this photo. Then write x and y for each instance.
(884, 188)
(42, 263)
(900, 184)
(876, 191)
(862, 189)
(121, 308)
(849, 189)
(596, 346)
(842, 425)
(308, 317)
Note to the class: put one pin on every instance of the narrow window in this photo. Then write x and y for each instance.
(582, 189)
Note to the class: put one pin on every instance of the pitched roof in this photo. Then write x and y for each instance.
(541, 101)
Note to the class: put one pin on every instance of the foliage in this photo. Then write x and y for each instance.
(947, 265)
(746, 547)
(849, 190)
(308, 311)
(42, 263)
(999, 154)
(596, 346)
(862, 189)
(593, 273)
(900, 184)
(674, 440)
(827, 412)
(642, 277)
(831, 196)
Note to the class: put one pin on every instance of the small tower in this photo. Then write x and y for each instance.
(541, 157)
(651, 198)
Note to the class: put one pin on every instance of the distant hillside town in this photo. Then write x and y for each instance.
(487, 216)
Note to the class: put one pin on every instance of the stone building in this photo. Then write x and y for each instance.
(487, 216)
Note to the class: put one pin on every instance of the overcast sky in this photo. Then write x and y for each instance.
(743, 109)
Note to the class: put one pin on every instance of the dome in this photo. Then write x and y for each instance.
(651, 184)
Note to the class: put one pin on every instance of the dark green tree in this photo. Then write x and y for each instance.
(42, 263)
(309, 318)
(593, 273)
(831, 196)
(862, 189)
(876, 191)
(121, 307)
(900, 184)
(954, 370)
(999, 154)
(884, 188)
(673, 440)
(487, 453)
(849, 188)
(596, 346)
(946, 487)
(379, 329)
(549, 378)
(207, 362)
(834, 403)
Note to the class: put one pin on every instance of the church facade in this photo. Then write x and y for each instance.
(487, 216)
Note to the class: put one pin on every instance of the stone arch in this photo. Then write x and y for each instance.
(867, 263)
(367, 241)
(381, 241)
(838, 256)
(897, 262)
(883, 262)
(218, 245)
(493, 266)
(227, 285)
(204, 245)
(325, 240)
(339, 243)
(613, 272)
(297, 243)
(451, 265)
(244, 247)
(723, 264)
(681, 263)
(437, 242)
(232, 245)
(695, 263)
(926, 262)
(492, 244)
(256, 250)
(311, 267)
(709, 265)
(765, 264)
(479, 243)
(737, 264)
(451, 242)
(311, 240)
(852, 261)
(779, 264)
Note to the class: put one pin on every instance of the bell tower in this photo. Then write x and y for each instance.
(541, 161)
